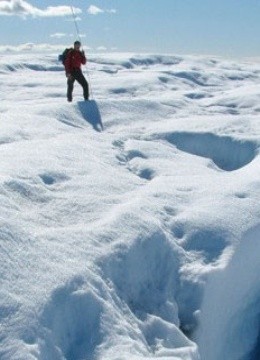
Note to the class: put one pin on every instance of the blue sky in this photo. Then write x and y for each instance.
(220, 27)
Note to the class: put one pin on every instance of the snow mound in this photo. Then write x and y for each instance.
(72, 322)
(232, 306)
(144, 274)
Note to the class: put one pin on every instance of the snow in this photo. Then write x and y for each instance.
(234, 296)
(129, 225)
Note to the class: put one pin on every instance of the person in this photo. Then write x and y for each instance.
(74, 59)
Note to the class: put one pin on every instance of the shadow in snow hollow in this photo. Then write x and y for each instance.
(90, 112)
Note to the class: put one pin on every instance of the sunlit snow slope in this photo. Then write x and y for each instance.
(129, 225)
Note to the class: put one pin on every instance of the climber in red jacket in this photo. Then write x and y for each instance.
(74, 59)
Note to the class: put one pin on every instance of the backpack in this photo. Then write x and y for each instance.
(62, 57)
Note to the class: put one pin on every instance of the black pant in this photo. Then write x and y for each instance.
(77, 75)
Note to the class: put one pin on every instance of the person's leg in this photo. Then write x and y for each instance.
(70, 84)
(83, 82)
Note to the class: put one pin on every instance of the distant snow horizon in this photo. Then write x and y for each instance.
(48, 48)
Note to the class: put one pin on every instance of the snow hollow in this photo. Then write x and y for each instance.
(129, 224)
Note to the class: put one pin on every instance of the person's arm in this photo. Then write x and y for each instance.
(68, 64)
(83, 58)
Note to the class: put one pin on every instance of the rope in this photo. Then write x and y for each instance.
(75, 22)
(79, 38)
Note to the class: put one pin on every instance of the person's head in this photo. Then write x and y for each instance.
(77, 45)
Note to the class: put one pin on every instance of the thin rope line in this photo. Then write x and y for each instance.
(75, 22)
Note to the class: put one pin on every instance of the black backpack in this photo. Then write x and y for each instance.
(62, 57)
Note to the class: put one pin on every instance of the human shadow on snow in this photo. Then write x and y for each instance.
(90, 112)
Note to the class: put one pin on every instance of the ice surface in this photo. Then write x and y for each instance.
(129, 224)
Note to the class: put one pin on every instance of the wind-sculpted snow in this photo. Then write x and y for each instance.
(137, 61)
(128, 222)
(19, 64)
(234, 294)
(227, 153)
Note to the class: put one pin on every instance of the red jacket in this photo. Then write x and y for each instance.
(74, 60)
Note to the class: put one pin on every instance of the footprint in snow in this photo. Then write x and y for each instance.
(52, 178)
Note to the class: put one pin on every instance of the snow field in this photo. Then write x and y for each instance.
(124, 221)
